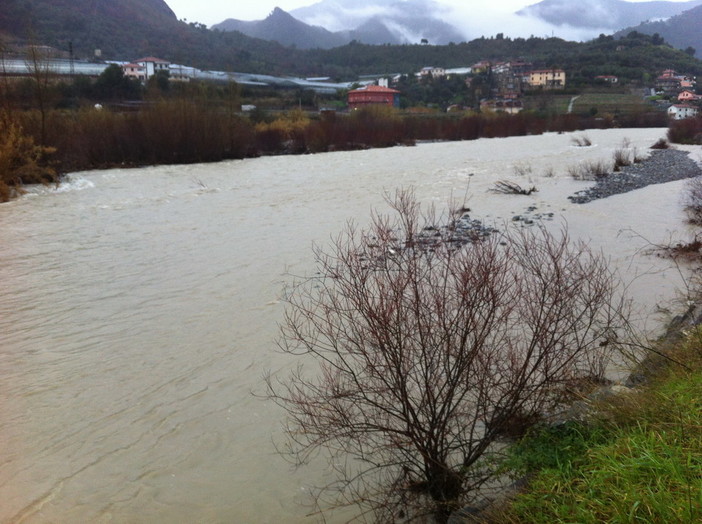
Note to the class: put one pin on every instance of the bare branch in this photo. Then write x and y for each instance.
(422, 356)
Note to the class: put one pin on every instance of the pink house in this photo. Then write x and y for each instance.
(136, 71)
(688, 96)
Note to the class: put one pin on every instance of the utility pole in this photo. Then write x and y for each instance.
(70, 57)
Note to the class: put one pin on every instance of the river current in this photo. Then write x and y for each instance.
(139, 311)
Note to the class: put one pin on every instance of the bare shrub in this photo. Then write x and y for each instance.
(661, 143)
(581, 141)
(523, 170)
(626, 155)
(590, 171)
(622, 158)
(511, 188)
(423, 358)
(22, 161)
(692, 200)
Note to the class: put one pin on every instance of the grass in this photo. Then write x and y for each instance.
(609, 103)
(640, 460)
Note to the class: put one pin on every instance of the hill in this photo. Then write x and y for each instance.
(633, 58)
(127, 29)
(682, 31)
(89, 25)
(283, 28)
(410, 22)
(609, 15)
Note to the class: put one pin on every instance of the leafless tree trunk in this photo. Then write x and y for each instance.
(426, 350)
(38, 64)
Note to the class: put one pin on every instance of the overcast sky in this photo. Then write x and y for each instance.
(211, 12)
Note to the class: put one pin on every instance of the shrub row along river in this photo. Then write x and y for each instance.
(139, 310)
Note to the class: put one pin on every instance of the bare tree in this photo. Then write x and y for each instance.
(41, 71)
(427, 349)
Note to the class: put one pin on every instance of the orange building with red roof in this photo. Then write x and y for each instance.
(373, 95)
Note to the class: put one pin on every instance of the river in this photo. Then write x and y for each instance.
(139, 311)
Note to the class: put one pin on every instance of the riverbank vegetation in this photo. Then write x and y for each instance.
(638, 458)
(22, 161)
(686, 131)
(192, 129)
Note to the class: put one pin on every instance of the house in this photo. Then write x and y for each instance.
(608, 79)
(682, 111)
(481, 67)
(434, 72)
(671, 83)
(152, 65)
(511, 106)
(688, 96)
(547, 78)
(135, 71)
(373, 95)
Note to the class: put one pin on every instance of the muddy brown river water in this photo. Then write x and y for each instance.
(139, 311)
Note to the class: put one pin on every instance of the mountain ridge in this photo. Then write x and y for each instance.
(411, 21)
(682, 31)
(604, 14)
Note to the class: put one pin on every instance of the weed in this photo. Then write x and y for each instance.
(622, 158)
(590, 170)
(522, 170)
(662, 143)
(511, 188)
(581, 141)
(692, 200)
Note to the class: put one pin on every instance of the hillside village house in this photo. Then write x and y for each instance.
(373, 95)
(682, 111)
(547, 78)
(152, 65)
(434, 72)
(608, 79)
(135, 71)
(688, 96)
(671, 83)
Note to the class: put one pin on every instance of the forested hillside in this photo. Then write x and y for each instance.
(634, 57)
(128, 29)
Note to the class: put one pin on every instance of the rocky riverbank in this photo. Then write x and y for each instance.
(665, 165)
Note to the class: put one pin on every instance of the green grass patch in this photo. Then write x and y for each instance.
(610, 103)
(641, 461)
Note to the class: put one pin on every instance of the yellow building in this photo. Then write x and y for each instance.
(547, 78)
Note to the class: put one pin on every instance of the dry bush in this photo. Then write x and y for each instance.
(590, 171)
(415, 358)
(661, 143)
(686, 131)
(21, 160)
(692, 200)
(522, 170)
(622, 158)
(581, 141)
(506, 187)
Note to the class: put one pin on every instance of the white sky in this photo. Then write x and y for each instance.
(211, 12)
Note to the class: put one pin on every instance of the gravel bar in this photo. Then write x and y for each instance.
(664, 165)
